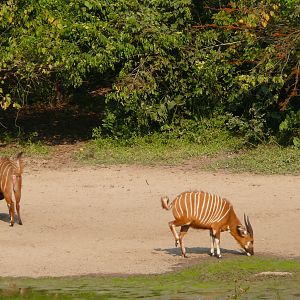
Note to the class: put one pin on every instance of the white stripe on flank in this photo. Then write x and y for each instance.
(2, 161)
(211, 207)
(218, 207)
(192, 204)
(186, 208)
(1, 174)
(5, 165)
(179, 203)
(213, 210)
(222, 203)
(198, 200)
(189, 204)
(7, 175)
(204, 199)
(219, 202)
(191, 208)
(14, 165)
(224, 214)
(205, 217)
(205, 213)
(175, 202)
(6, 169)
(220, 217)
(195, 205)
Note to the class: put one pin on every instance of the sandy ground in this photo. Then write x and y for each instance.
(108, 220)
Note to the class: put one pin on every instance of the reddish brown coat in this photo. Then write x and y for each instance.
(203, 210)
(11, 182)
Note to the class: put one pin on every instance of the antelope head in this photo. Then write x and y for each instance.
(246, 236)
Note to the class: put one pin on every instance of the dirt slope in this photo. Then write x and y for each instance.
(109, 220)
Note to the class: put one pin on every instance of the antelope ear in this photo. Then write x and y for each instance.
(241, 230)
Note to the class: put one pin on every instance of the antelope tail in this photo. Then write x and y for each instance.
(165, 203)
(19, 163)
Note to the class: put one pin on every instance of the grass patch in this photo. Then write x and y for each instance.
(29, 145)
(210, 146)
(224, 153)
(37, 149)
(228, 278)
(265, 159)
(193, 139)
(154, 149)
(31, 150)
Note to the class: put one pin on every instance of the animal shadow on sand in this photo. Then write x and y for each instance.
(4, 217)
(195, 250)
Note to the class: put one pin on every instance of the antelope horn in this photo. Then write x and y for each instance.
(248, 225)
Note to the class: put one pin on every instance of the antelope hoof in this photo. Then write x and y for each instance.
(184, 255)
(212, 254)
(11, 224)
(20, 222)
(219, 256)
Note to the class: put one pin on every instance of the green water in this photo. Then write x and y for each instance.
(226, 279)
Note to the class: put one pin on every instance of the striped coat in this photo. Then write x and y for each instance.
(11, 183)
(202, 210)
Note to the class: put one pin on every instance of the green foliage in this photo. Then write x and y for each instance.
(170, 63)
(238, 69)
(289, 129)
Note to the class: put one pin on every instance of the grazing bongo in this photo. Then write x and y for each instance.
(11, 181)
(203, 210)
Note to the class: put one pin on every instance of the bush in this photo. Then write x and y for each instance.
(166, 63)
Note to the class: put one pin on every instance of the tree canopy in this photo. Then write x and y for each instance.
(166, 64)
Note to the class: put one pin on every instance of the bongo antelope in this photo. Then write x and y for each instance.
(201, 210)
(11, 182)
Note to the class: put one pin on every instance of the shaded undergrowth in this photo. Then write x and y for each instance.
(65, 132)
